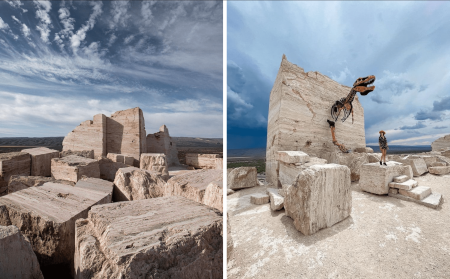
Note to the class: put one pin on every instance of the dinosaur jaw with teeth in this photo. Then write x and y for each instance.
(361, 85)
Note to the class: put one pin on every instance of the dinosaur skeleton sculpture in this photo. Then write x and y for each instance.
(361, 85)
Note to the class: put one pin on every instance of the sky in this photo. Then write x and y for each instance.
(406, 45)
(62, 62)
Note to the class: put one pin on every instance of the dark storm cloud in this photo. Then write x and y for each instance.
(419, 125)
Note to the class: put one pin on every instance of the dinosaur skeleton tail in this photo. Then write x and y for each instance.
(335, 142)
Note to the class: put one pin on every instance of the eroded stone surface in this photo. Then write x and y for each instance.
(276, 200)
(441, 143)
(17, 259)
(417, 193)
(432, 201)
(288, 171)
(193, 184)
(352, 160)
(14, 163)
(417, 164)
(363, 150)
(168, 237)
(407, 185)
(259, 198)
(438, 164)
(214, 195)
(41, 160)
(47, 215)
(375, 179)
(204, 161)
(319, 198)
(242, 177)
(135, 184)
(19, 182)
(298, 111)
(293, 157)
(155, 162)
(374, 157)
(82, 153)
(161, 142)
(108, 168)
(439, 170)
(73, 167)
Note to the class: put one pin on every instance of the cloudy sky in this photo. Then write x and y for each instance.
(63, 62)
(406, 45)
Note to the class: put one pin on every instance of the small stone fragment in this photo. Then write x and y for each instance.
(242, 177)
(407, 185)
(276, 200)
(259, 198)
(155, 162)
(73, 167)
(439, 170)
(41, 160)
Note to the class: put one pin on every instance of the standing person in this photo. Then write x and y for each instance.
(382, 141)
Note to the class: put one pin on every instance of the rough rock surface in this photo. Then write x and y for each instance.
(259, 198)
(82, 153)
(363, 150)
(204, 161)
(439, 170)
(276, 200)
(89, 135)
(230, 243)
(437, 164)
(375, 179)
(135, 184)
(417, 164)
(168, 237)
(441, 143)
(193, 185)
(352, 160)
(19, 182)
(299, 107)
(108, 168)
(17, 259)
(288, 171)
(47, 215)
(14, 163)
(429, 160)
(72, 168)
(417, 193)
(319, 198)
(155, 162)
(293, 157)
(161, 142)
(242, 177)
(432, 201)
(214, 195)
(41, 160)
(374, 157)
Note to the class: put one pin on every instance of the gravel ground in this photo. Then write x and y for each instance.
(383, 238)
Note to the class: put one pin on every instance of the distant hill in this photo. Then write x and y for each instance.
(197, 142)
(403, 149)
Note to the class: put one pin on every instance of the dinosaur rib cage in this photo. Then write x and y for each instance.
(337, 107)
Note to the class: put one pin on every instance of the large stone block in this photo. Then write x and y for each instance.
(168, 237)
(374, 157)
(276, 200)
(41, 160)
(161, 142)
(73, 167)
(352, 160)
(242, 177)
(363, 150)
(193, 185)
(439, 170)
(17, 259)
(108, 168)
(204, 161)
(319, 198)
(299, 107)
(259, 198)
(89, 135)
(441, 143)
(288, 172)
(417, 164)
(19, 182)
(155, 162)
(135, 184)
(47, 215)
(82, 153)
(214, 195)
(14, 163)
(375, 178)
(293, 157)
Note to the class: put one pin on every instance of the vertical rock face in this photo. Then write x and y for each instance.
(204, 161)
(47, 215)
(155, 162)
(441, 143)
(242, 177)
(161, 142)
(168, 237)
(299, 107)
(14, 163)
(319, 198)
(73, 167)
(17, 259)
(375, 179)
(89, 135)
(41, 160)
(135, 184)
(214, 195)
(125, 133)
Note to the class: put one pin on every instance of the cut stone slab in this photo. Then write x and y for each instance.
(439, 170)
(401, 178)
(155, 162)
(192, 185)
(17, 259)
(108, 168)
(82, 153)
(393, 191)
(259, 198)
(417, 193)
(289, 172)
(375, 178)
(432, 201)
(46, 215)
(293, 157)
(204, 161)
(276, 200)
(73, 167)
(168, 237)
(407, 185)
(429, 160)
(14, 163)
(214, 195)
(319, 198)
(18, 182)
(118, 158)
(242, 177)
(41, 160)
(438, 164)
(135, 184)
(417, 164)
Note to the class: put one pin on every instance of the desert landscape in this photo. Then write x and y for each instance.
(111, 201)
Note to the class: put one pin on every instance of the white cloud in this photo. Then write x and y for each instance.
(128, 39)
(3, 25)
(119, 13)
(17, 4)
(25, 31)
(80, 35)
(42, 10)
(16, 19)
(343, 75)
(112, 39)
